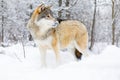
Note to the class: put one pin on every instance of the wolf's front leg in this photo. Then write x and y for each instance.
(56, 50)
(43, 56)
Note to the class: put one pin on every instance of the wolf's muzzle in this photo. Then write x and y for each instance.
(55, 24)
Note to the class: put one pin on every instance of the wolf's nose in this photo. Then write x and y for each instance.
(55, 24)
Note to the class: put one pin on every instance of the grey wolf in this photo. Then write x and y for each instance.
(48, 34)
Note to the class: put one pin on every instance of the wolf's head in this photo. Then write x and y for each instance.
(45, 17)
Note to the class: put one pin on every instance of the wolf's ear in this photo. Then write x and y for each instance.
(48, 7)
(40, 8)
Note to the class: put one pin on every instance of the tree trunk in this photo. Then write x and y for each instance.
(67, 11)
(30, 36)
(113, 23)
(67, 3)
(2, 33)
(93, 27)
(60, 12)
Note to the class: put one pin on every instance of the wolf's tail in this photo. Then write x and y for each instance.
(81, 44)
(78, 54)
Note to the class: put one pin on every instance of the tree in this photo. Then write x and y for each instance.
(30, 36)
(113, 22)
(60, 12)
(115, 19)
(67, 4)
(93, 26)
(2, 22)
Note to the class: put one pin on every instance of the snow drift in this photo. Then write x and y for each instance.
(104, 66)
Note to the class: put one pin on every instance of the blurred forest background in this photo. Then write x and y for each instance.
(101, 17)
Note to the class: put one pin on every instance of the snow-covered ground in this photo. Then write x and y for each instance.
(13, 65)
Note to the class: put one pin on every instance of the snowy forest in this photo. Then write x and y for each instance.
(20, 58)
(101, 17)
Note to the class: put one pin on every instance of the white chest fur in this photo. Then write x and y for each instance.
(46, 43)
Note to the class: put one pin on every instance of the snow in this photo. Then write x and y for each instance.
(103, 66)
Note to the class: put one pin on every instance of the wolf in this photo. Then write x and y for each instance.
(48, 34)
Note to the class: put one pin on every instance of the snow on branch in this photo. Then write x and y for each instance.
(66, 7)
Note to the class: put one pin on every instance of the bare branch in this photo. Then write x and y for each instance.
(23, 49)
(75, 2)
(17, 57)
